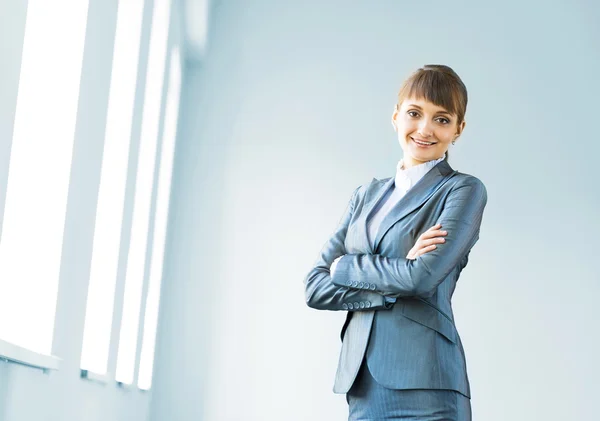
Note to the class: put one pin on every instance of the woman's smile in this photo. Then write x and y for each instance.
(425, 130)
(422, 143)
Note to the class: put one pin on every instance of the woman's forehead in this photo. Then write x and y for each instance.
(422, 103)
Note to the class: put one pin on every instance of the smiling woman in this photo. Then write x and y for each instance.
(394, 261)
(429, 113)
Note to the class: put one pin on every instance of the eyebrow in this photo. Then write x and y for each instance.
(438, 112)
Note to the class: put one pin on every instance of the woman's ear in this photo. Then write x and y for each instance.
(460, 129)
(394, 115)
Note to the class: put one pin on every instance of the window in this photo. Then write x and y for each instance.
(39, 169)
(111, 196)
(160, 222)
(128, 337)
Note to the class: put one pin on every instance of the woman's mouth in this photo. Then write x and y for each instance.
(421, 143)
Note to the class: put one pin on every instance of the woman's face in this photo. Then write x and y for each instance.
(420, 120)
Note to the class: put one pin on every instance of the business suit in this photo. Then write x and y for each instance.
(412, 343)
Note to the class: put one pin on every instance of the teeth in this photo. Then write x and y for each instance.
(423, 143)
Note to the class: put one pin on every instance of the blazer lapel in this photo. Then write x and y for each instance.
(414, 198)
(373, 196)
(374, 191)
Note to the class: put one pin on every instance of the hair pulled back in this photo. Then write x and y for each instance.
(438, 84)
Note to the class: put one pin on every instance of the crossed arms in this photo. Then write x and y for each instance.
(375, 280)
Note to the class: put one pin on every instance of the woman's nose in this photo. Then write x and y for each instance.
(424, 129)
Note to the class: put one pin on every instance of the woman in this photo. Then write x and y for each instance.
(393, 263)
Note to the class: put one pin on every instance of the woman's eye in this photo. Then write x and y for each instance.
(443, 120)
(410, 113)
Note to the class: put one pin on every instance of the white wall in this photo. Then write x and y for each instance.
(290, 111)
(27, 393)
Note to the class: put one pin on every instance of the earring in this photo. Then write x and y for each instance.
(454, 142)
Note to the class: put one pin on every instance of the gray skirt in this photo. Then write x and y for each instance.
(369, 401)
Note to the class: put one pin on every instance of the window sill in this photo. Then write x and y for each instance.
(131, 387)
(95, 377)
(23, 356)
(126, 386)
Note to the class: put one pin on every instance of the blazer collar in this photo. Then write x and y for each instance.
(414, 198)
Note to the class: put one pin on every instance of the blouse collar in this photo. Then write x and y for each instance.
(406, 178)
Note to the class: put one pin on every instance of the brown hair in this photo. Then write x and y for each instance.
(438, 84)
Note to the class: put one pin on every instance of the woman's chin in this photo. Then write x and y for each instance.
(420, 154)
(417, 153)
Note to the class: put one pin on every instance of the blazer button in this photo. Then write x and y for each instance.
(361, 284)
(367, 304)
(350, 306)
(356, 305)
(362, 304)
(345, 306)
(373, 287)
(355, 284)
(349, 283)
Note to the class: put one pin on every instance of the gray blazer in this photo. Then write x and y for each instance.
(412, 342)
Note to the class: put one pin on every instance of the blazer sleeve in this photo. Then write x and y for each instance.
(321, 293)
(400, 277)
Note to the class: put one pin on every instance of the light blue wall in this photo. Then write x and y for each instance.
(29, 394)
(290, 111)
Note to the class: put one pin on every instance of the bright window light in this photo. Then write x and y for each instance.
(111, 196)
(128, 337)
(160, 222)
(39, 170)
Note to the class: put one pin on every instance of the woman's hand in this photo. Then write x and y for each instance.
(427, 242)
(333, 265)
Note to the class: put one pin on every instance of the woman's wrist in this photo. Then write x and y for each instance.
(333, 265)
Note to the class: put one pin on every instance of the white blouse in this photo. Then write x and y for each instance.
(404, 181)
